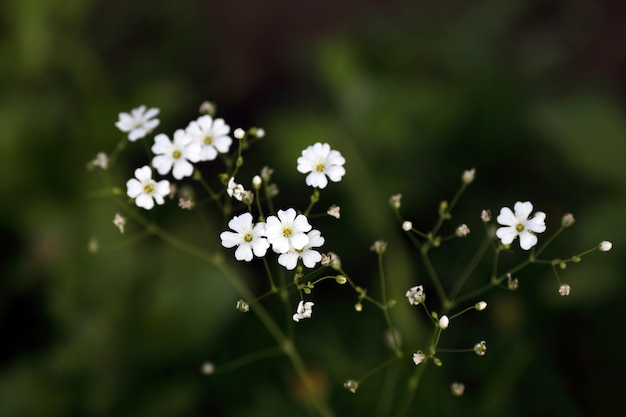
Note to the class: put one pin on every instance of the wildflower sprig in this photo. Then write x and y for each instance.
(201, 164)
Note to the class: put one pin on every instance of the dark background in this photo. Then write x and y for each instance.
(530, 93)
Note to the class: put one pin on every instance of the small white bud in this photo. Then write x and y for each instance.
(256, 182)
(457, 389)
(485, 216)
(480, 306)
(239, 133)
(208, 368)
(468, 176)
(394, 201)
(444, 321)
(407, 226)
(605, 246)
(567, 220)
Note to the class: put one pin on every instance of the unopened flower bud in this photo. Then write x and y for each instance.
(407, 226)
(444, 321)
(468, 176)
(341, 279)
(485, 216)
(256, 182)
(457, 389)
(605, 246)
(395, 201)
(379, 247)
(239, 133)
(480, 306)
(208, 368)
(567, 220)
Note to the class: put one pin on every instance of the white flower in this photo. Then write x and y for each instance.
(303, 311)
(102, 160)
(334, 211)
(235, 190)
(287, 231)
(248, 238)
(605, 246)
(242, 306)
(138, 123)
(351, 385)
(480, 348)
(457, 388)
(119, 221)
(309, 256)
(416, 295)
(176, 155)
(212, 135)
(419, 357)
(145, 190)
(519, 224)
(564, 290)
(462, 231)
(444, 321)
(320, 162)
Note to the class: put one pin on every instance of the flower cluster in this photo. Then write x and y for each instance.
(286, 237)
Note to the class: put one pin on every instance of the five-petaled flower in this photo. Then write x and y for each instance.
(308, 255)
(145, 190)
(303, 311)
(519, 224)
(248, 237)
(211, 134)
(138, 123)
(287, 230)
(320, 162)
(176, 155)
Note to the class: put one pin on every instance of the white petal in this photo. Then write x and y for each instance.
(527, 240)
(523, 210)
(507, 234)
(506, 217)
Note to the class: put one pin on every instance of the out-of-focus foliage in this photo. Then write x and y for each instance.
(530, 93)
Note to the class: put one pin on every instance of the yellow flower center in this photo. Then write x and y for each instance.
(519, 227)
(208, 139)
(287, 232)
(176, 154)
(320, 167)
(248, 238)
(148, 188)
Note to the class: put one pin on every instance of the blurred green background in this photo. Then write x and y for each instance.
(530, 93)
